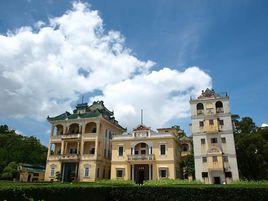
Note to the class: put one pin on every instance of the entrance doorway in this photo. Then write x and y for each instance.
(217, 180)
(141, 173)
(69, 172)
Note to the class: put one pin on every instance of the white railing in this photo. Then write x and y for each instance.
(141, 157)
(71, 136)
(69, 157)
(89, 135)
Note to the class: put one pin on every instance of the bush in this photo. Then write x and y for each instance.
(170, 182)
(85, 192)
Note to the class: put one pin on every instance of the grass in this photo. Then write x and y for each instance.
(121, 183)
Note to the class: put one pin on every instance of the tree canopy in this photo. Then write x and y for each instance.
(19, 149)
(251, 149)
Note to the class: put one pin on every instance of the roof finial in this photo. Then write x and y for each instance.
(141, 116)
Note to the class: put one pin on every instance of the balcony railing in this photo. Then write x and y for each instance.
(69, 157)
(219, 110)
(215, 166)
(145, 157)
(88, 156)
(71, 136)
(199, 112)
(89, 135)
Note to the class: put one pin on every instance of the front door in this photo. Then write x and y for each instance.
(69, 171)
(217, 180)
(141, 173)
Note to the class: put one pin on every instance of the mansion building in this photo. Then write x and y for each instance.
(89, 144)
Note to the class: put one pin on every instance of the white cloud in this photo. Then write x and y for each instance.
(264, 125)
(40, 72)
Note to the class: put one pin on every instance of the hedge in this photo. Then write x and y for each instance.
(142, 193)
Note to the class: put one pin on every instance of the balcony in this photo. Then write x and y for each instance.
(146, 157)
(54, 157)
(200, 112)
(88, 157)
(69, 157)
(219, 110)
(56, 138)
(215, 166)
(71, 136)
(89, 135)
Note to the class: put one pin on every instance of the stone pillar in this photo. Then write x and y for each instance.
(97, 140)
(62, 148)
(132, 172)
(52, 130)
(49, 149)
(78, 147)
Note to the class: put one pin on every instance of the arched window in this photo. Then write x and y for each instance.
(219, 107)
(199, 108)
(74, 128)
(141, 149)
(91, 127)
(59, 129)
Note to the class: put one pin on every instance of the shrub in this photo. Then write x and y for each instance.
(169, 182)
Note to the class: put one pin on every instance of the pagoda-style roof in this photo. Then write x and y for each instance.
(84, 111)
(141, 127)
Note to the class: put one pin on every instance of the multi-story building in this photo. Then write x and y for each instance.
(146, 155)
(80, 144)
(213, 139)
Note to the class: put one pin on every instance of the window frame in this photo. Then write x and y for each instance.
(122, 171)
(223, 140)
(120, 154)
(87, 171)
(204, 159)
(165, 149)
(52, 169)
(214, 159)
(160, 172)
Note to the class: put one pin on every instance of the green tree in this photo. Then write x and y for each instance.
(10, 171)
(252, 150)
(188, 166)
(20, 149)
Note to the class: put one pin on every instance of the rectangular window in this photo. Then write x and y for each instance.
(221, 122)
(86, 172)
(92, 150)
(211, 122)
(201, 124)
(52, 171)
(225, 158)
(120, 151)
(162, 149)
(214, 140)
(204, 174)
(228, 174)
(214, 158)
(163, 173)
(103, 174)
(204, 159)
(203, 141)
(119, 173)
(223, 140)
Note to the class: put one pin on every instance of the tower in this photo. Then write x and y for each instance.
(213, 139)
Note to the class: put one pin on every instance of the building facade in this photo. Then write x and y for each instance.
(80, 144)
(31, 173)
(146, 155)
(213, 139)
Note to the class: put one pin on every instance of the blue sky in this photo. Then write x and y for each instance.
(226, 39)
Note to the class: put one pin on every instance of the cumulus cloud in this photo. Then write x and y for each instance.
(44, 68)
(264, 125)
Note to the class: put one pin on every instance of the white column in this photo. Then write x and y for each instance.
(62, 148)
(52, 130)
